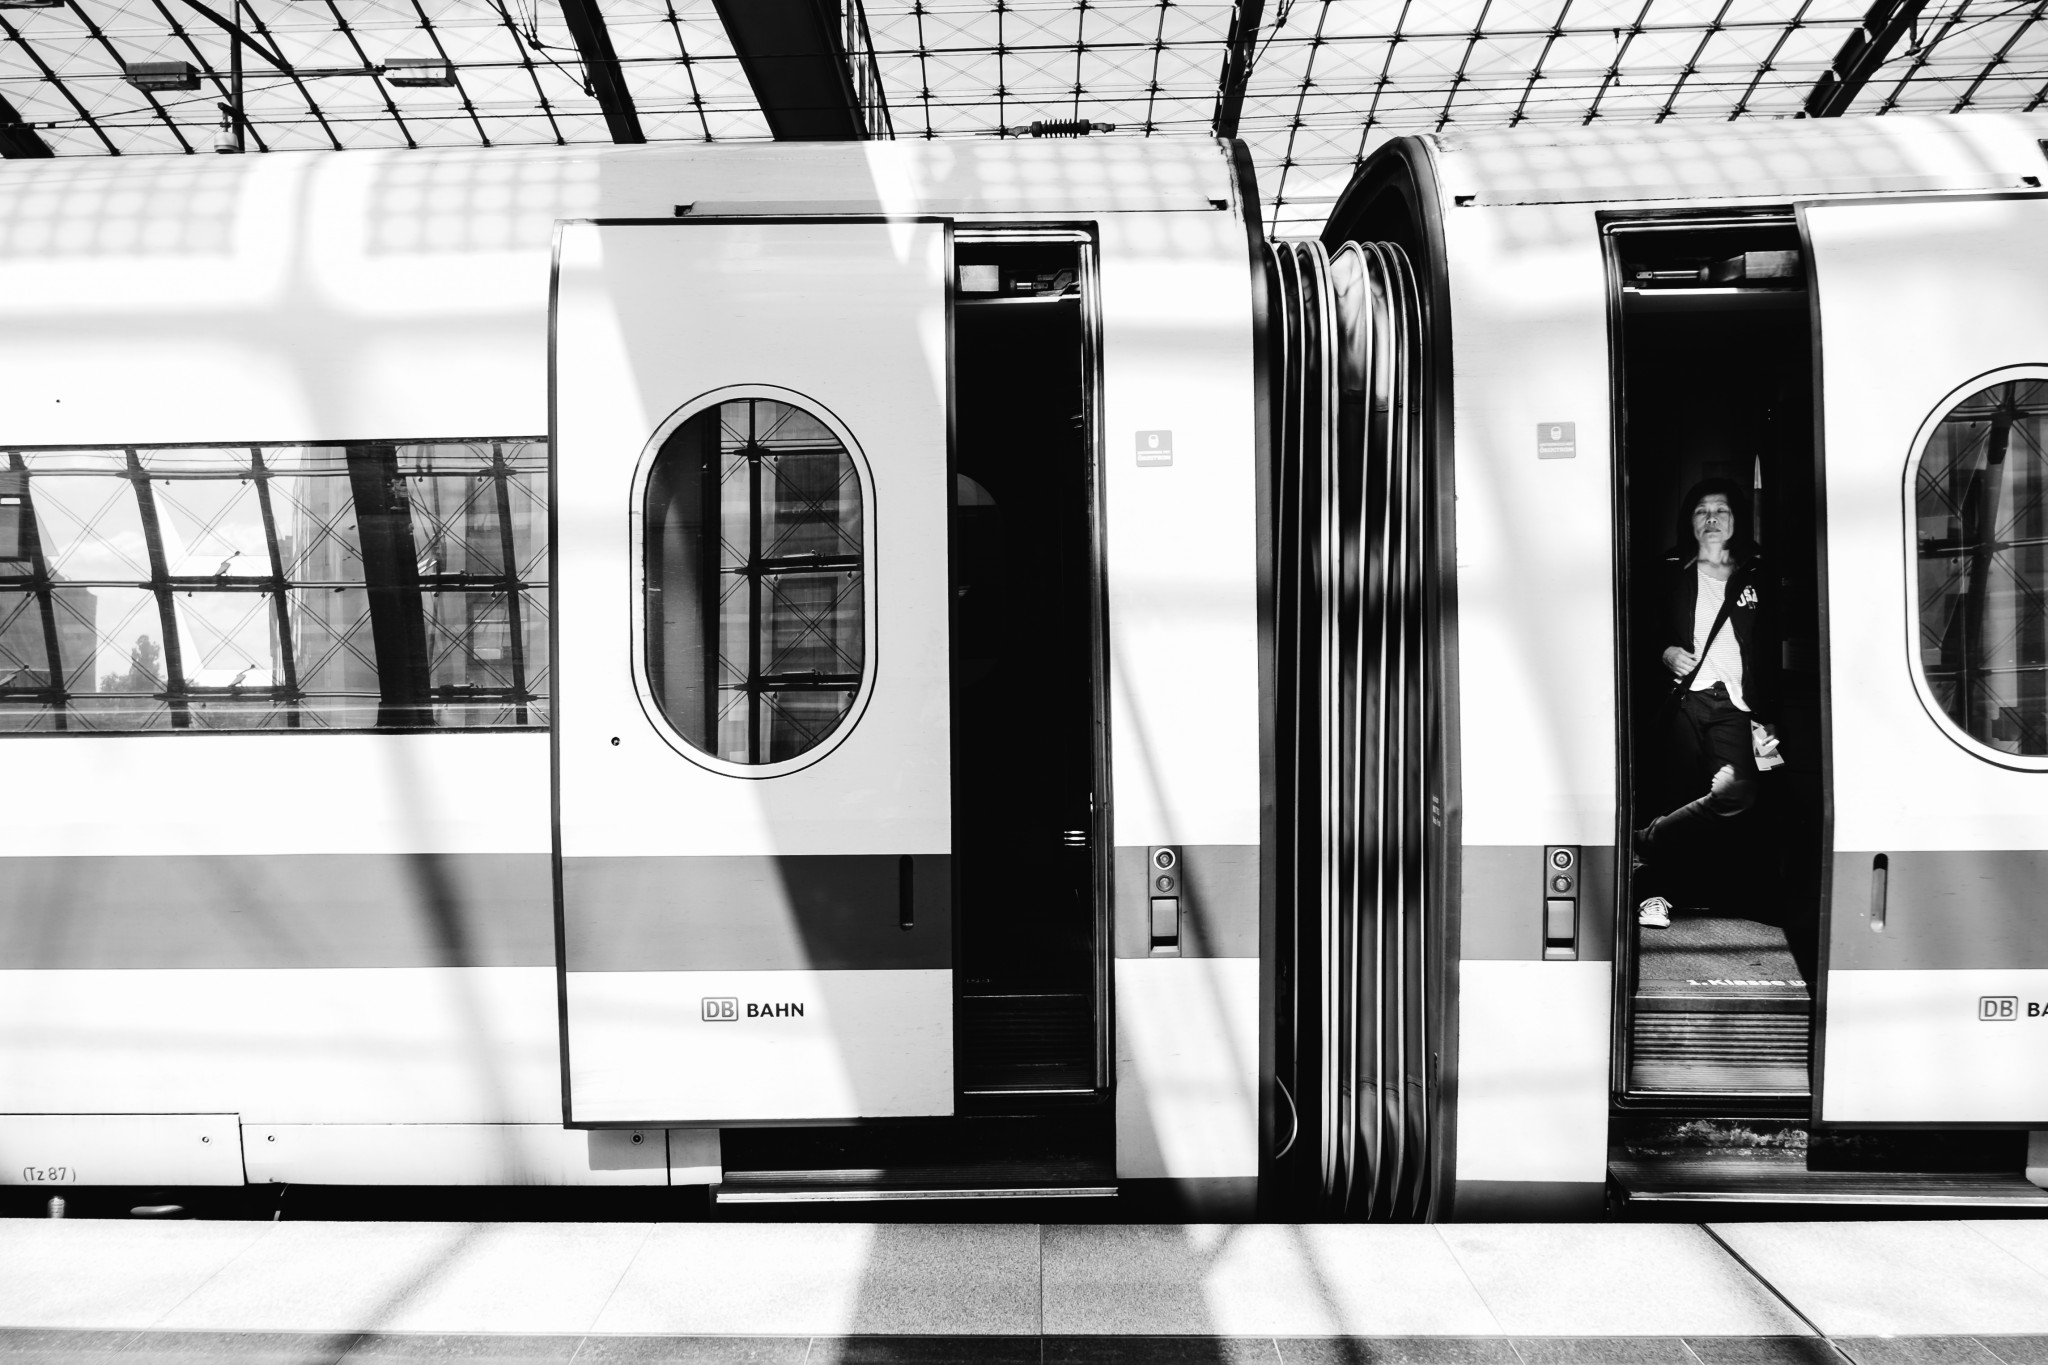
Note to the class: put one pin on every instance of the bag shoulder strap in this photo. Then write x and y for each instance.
(1727, 604)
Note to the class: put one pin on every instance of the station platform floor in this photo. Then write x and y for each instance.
(1869, 1293)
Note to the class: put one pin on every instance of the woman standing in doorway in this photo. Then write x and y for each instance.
(1717, 633)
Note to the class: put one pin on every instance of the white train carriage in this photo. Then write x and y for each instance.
(756, 665)
(1484, 438)
(481, 638)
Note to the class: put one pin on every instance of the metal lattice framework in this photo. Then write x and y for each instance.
(1312, 85)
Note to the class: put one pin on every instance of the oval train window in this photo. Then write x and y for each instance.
(755, 631)
(1980, 504)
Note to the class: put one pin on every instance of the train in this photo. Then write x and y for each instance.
(963, 669)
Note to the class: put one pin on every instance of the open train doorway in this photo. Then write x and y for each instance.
(1027, 678)
(1722, 728)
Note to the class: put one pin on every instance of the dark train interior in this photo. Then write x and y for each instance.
(1024, 676)
(1715, 381)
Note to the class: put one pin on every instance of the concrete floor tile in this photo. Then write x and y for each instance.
(62, 1346)
(1764, 1351)
(1269, 1280)
(1895, 1279)
(241, 1348)
(982, 1350)
(109, 1274)
(1168, 1350)
(539, 1278)
(2027, 1350)
(830, 1279)
(1613, 1279)
(1917, 1351)
(1602, 1351)
(1397, 1351)
(2025, 1239)
(479, 1348)
(638, 1350)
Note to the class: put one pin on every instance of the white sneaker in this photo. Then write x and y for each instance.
(1654, 913)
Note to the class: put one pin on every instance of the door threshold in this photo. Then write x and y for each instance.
(1785, 1180)
(879, 1194)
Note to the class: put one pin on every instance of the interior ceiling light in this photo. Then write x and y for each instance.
(161, 75)
(419, 71)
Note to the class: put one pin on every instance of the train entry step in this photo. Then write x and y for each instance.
(1720, 1006)
(1062, 1157)
(1785, 1178)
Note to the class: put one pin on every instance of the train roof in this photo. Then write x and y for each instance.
(1760, 159)
(1009, 178)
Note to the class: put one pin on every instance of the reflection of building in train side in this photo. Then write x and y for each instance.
(473, 532)
(455, 526)
(329, 607)
(467, 534)
(25, 638)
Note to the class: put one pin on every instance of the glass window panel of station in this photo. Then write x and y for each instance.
(1981, 507)
(86, 523)
(230, 587)
(335, 652)
(315, 514)
(109, 647)
(755, 602)
(231, 652)
(209, 513)
(485, 651)
(478, 509)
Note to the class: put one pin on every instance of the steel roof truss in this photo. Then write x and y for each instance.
(675, 25)
(1535, 70)
(305, 92)
(1862, 53)
(62, 89)
(1999, 57)
(355, 44)
(1692, 64)
(602, 74)
(1612, 76)
(468, 105)
(1764, 67)
(114, 55)
(1239, 50)
(206, 69)
(17, 138)
(540, 94)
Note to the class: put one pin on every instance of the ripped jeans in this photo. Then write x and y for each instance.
(1708, 733)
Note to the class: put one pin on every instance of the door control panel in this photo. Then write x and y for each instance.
(1163, 889)
(1561, 903)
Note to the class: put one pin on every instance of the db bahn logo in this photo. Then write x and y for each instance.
(724, 1009)
(2000, 1009)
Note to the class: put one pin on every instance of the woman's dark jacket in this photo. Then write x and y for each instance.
(1752, 619)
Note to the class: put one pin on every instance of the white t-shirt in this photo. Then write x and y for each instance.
(1724, 660)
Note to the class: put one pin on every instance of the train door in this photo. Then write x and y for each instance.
(754, 772)
(1028, 746)
(1715, 960)
(1933, 320)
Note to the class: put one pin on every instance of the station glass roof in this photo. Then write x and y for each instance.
(1330, 78)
